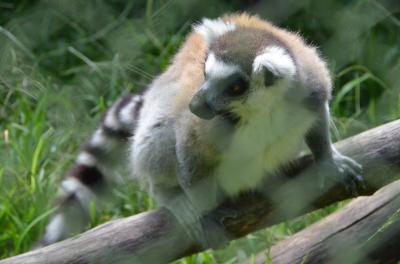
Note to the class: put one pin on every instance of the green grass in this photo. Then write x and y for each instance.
(63, 63)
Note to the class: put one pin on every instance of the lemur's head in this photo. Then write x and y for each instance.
(242, 65)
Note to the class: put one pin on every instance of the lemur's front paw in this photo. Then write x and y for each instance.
(205, 229)
(215, 235)
(343, 169)
(208, 232)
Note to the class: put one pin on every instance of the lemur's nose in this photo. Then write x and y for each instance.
(200, 105)
(201, 108)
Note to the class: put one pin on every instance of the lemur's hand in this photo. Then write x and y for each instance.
(343, 169)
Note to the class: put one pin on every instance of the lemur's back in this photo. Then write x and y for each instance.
(153, 152)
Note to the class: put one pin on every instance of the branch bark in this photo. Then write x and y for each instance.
(367, 230)
(156, 236)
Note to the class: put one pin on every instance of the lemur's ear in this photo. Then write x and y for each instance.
(275, 62)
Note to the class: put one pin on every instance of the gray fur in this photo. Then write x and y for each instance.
(241, 46)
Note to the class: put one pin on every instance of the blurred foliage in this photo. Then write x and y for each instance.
(62, 62)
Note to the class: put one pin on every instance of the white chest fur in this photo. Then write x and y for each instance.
(271, 134)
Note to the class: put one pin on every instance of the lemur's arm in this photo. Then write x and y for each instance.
(334, 164)
(318, 138)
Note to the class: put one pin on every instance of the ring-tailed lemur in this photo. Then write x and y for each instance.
(237, 101)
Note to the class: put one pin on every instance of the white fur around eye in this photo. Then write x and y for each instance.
(277, 60)
(211, 29)
(215, 68)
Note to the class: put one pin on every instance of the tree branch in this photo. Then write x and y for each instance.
(156, 237)
(367, 230)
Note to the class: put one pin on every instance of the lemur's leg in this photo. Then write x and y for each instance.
(105, 148)
(334, 165)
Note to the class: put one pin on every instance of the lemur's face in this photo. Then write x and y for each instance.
(224, 83)
(239, 64)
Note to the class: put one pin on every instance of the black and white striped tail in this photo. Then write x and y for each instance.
(85, 179)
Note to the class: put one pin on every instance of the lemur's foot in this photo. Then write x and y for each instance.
(343, 169)
(209, 231)
(205, 230)
(214, 234)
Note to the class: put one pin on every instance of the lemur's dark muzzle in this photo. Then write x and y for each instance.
(199, 106)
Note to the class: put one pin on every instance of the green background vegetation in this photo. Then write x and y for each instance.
(63, 62)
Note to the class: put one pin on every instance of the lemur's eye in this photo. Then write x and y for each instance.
(237, 88)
